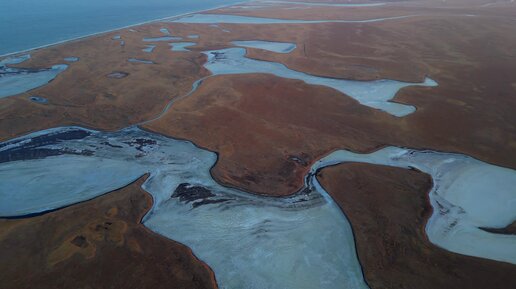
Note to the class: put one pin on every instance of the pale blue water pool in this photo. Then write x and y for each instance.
(27, 24)
(181, 46)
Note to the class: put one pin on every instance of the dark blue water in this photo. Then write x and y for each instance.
(26, 24)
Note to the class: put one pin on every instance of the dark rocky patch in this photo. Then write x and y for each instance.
(38, 99)
(188, 193)
(4, 71)
(122, 256)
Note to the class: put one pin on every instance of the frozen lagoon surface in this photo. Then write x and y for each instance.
(18, 80)
(149, 48)
(376, 94)
(71, 59)
(250, 241)
(164, 31)
(33, 23)
(467, 195)
(163, 38)
(181, 46)
(325, 4)
(38, 99)
(236, 19)
(138, 60)
(278, 47)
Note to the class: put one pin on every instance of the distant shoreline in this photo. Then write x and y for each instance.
(116, 29)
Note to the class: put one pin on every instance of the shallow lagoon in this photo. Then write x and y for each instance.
(163, 38)
(376, 94)
(35, 23)
(251, 241)
(164, 31)
(278, 47)
(301, 241)
(138, 60)
(149, 48)
(236, 19)
(71, 59)
(18, 80)
(38, 99)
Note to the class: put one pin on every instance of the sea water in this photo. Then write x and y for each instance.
(27, 24)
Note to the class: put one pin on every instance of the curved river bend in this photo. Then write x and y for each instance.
(250, 241)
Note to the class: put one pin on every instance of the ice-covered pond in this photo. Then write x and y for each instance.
(278, 47)
(18, 80)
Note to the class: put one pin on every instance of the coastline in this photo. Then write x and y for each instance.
(116, 29)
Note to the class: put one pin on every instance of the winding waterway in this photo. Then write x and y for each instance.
(29, 24)
(250, 241)
(467, 195)
(17, 80)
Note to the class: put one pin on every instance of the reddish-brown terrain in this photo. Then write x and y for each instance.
(388, 208)
(97, 244)
(84, 95)
(258, 122)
